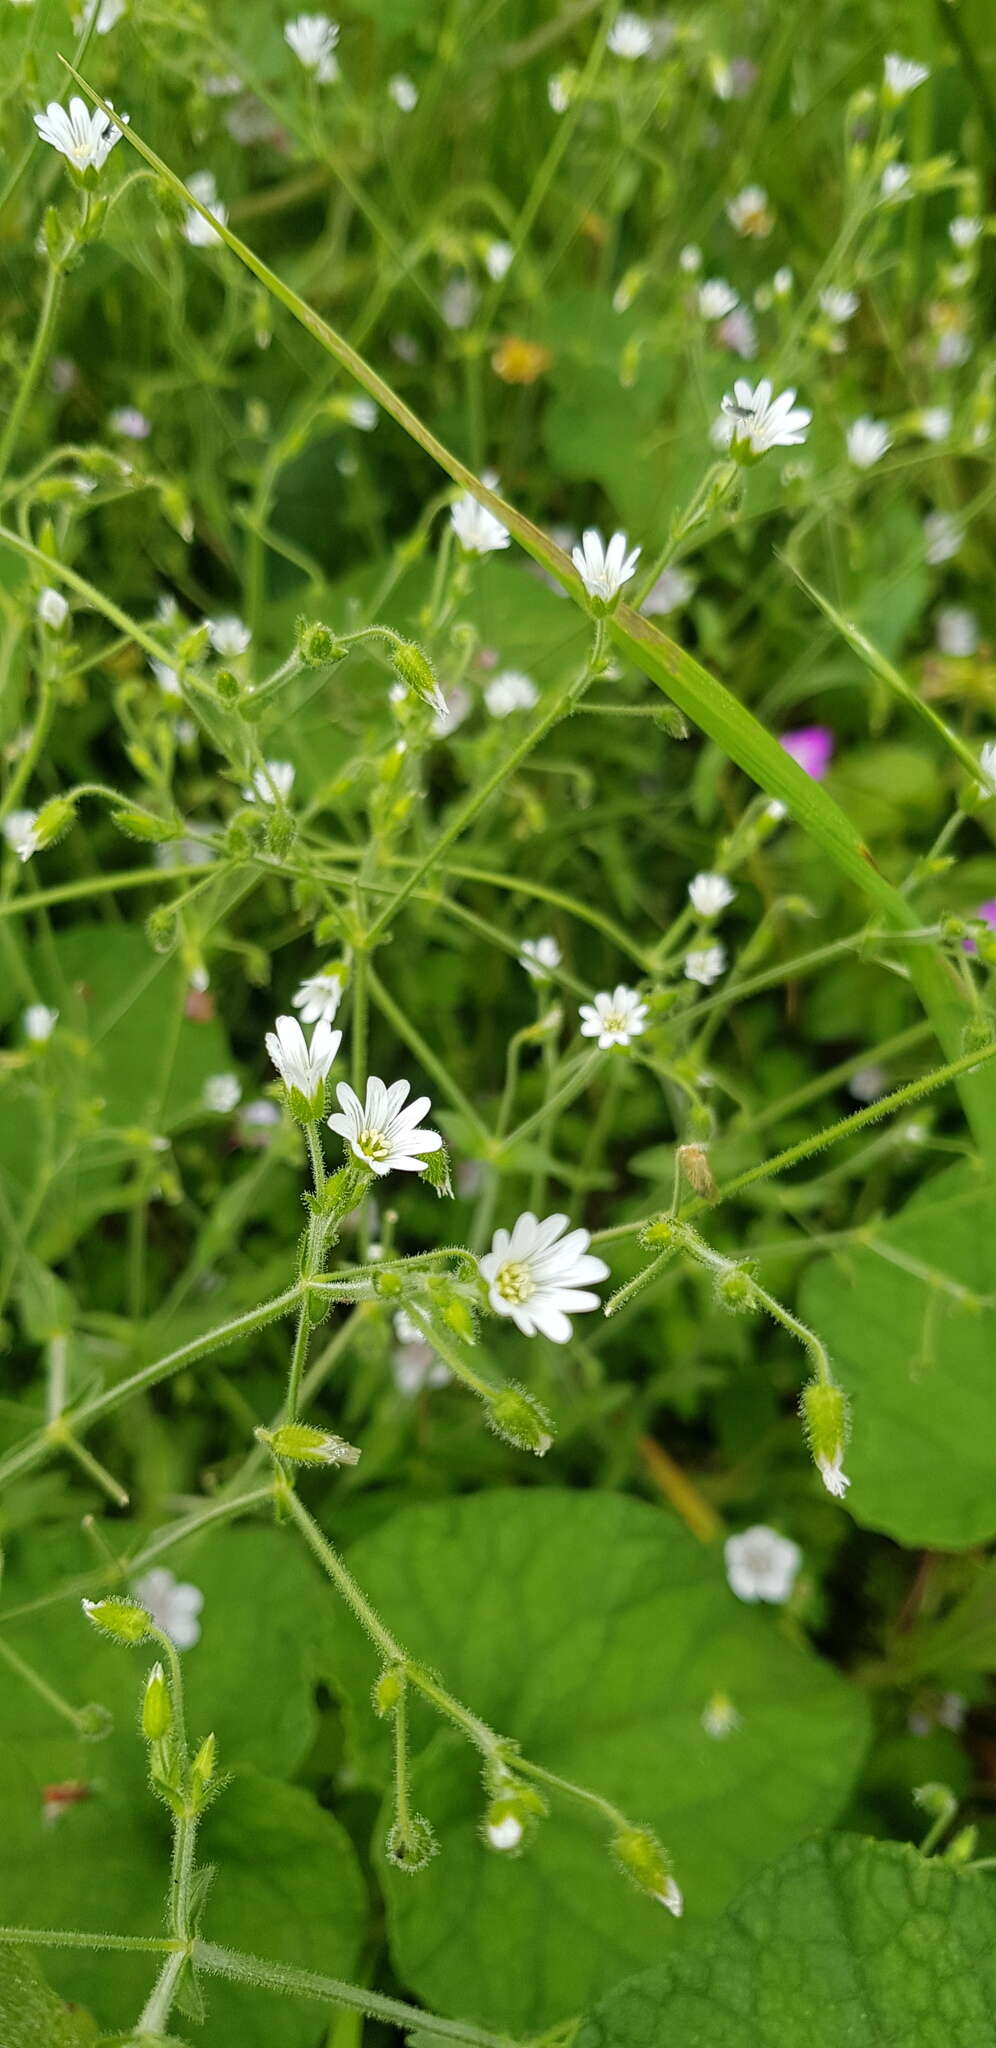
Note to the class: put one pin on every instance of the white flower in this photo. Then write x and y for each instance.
(39, 1022)
(104, 15)
(868, 1082)
(380, 1131)
(895, 182)
(498, 260)
(839, 306)
(403, 92)
(222, 1092)
(196, 230)
(935, 422)
(754, 420)
(671, 1897)
(942, 537)
(783, 282)
(228, 636)
(313, 38)
(709, 894)
(987, 763)
(318, 997)
(834, 1478)
(690, 259)
(131, 424)
(867, 442)
(716, 298)
(84, 136)
(505, 1833)
(748, 212)
(732, 79)
(476, 528)
(537, 1276)
(174, 1606)
(719, 1716)
(953, 348)
(416, 1365)
(52, 609)
(760, 1565)
(540, 957)
(458, 704)
(300, 1065)
(258, 1122)
(957, 631)
(363, 413)
(510, 691)
(705, 964)
(902, 76)
(629, 36)
(166, 677)
(458, 303)
(672, 589)
(965, 230)
(738, 332)
(951, 1710)
(270, 784)
(557, 94)
(614, 1019)
(604, 569)
(19, 831)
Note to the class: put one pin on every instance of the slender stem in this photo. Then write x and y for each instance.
(159, 2004)
(36, 362)
(424, 1054)
(576, 1080)
(59, 1937)
(39, 1684)
(243, 1969)
(341, 1578)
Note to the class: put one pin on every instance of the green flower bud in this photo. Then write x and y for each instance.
(823, 1408)
(663, 1234)
(203, 1769)
(978, 1033)
(302, 1445)
(228, 686)
(161, 930)
(521, 1420)
(411, 1844)
(53, 821)
(317, 645)
(142, 825)
(735, 1290)
(388, 1286)
(388, 1690)
(157, 1707)
(281, 832)
(94, 1722)
(412, 664)
(124, 1620)
(639, 1854)
(437, 1172)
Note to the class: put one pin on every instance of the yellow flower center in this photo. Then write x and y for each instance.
(514, 1281)
(372, 1143)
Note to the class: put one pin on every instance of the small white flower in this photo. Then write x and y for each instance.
(749, 213)
(896, 182)
(902, 76)
(614, 1019)
(953, 348)
(270, 784)
(957, 631)
(222, 1092)
(300, 1065)
(629, 36)
(228, 636)
(705, 964)
(415, 1367)
(458, 705)
(498, 258)
(84, 137)
(318, 997)
(504, 1834)
(403, 92)
(258, 1122)
(783, 282)
(761, 1565)
(738, 333)
(538, 1276)
(716, 298)
(166, 677)
(604, 569)
(380, 1131)
(363, 413)
(732, 78)
(965, 230)
(540, 957)
(867, 442)
(942, 538)
(131, 424)
(834, 1477)
(671, 1898)
(951, 1710)
(754, 420)
(557, 93)
(867, 1083)
(104, 15)
(196, 230)
(510, 691)
(173, 1605)
(477, 529)
(987, 763)
(39, 1022)
(690, 259)
(313, 38)
(935, 422)
(19, 832)
(458, 303)
(719, 1717)
(672, 589)
(839, 306)
(709, 894)
(52, 609)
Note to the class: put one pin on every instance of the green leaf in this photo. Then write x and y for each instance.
(595, 1631)
(31, 2016)
(916, 1358)
(845, 1944)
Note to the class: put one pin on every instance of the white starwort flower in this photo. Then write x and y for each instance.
(380, 1131)
(39, 1022)
(761, 1565)
(987, 763)
(942, 538)
(498, 258)
(270, 784)
(540, 957)
(302, 1066)
(403, 92)
(196, 230)
(935, 422)
(363, 413)
(313, 38)
(902, 75)
(84, 136)
(510, 691)
(604, 569)
(539, 1277)
(130, 423)
(783, 282)
(709, 894)
(719, 1717)
(222, 1092)
(705, 964)
(52, 609)
(738, 332)
(174, 1605)
(957, 631)
(416, 1365)
(672, 589)
(166, 677)
(867, 442)
(749, 212)
(458, 705)
(896, 182)
(629, 36)
(459, 300)
(504, 1834)
(557, 93)
(866, 1083)
(228, 636)
(753, 420)
(690, 259)
(716, 298)
(258, 1122)
(19, 831)
(477, 529)
(839, 306)
(965, 230)
(834, 1477)
(104, 15)
(318, 997)
(614, 1019)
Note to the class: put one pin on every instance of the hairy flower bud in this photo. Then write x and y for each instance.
(437, 1172)
(317, 644)
(202, 1769)
(640, 1855)
(123, 1620)
(53, 821)
(521, 1420)
(388, 1690)
(142, 825)
(735, 1290)
(157, 1707)
(697, 1171)
(411, 1843)
(303, 1445)
(823, 1408)
(417, 673)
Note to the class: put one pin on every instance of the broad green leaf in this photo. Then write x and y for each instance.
(912, 1342)
(845, 1944)
(595, 1631)
(31, 2016)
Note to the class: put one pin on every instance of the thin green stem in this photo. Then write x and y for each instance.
(44, 331)
(243, 1969)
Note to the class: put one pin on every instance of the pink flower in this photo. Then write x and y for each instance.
(812, 747)
(987, 912)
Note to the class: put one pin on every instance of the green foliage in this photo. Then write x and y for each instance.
(31, 2016)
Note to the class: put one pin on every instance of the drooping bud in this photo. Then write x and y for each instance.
(823, 1408)
(640, 1855)
(512, 1812)
(412, 664)
(388, 1690)
(735, 1290)
(53, 821)
(157, 1707)
(142, 825)
(123, 1620)
(521, 1420)
(302, 1445)
(411, 1843)
(695, 1166)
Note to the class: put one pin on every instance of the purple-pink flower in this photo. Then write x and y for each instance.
(987, 912)
(812, 747)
